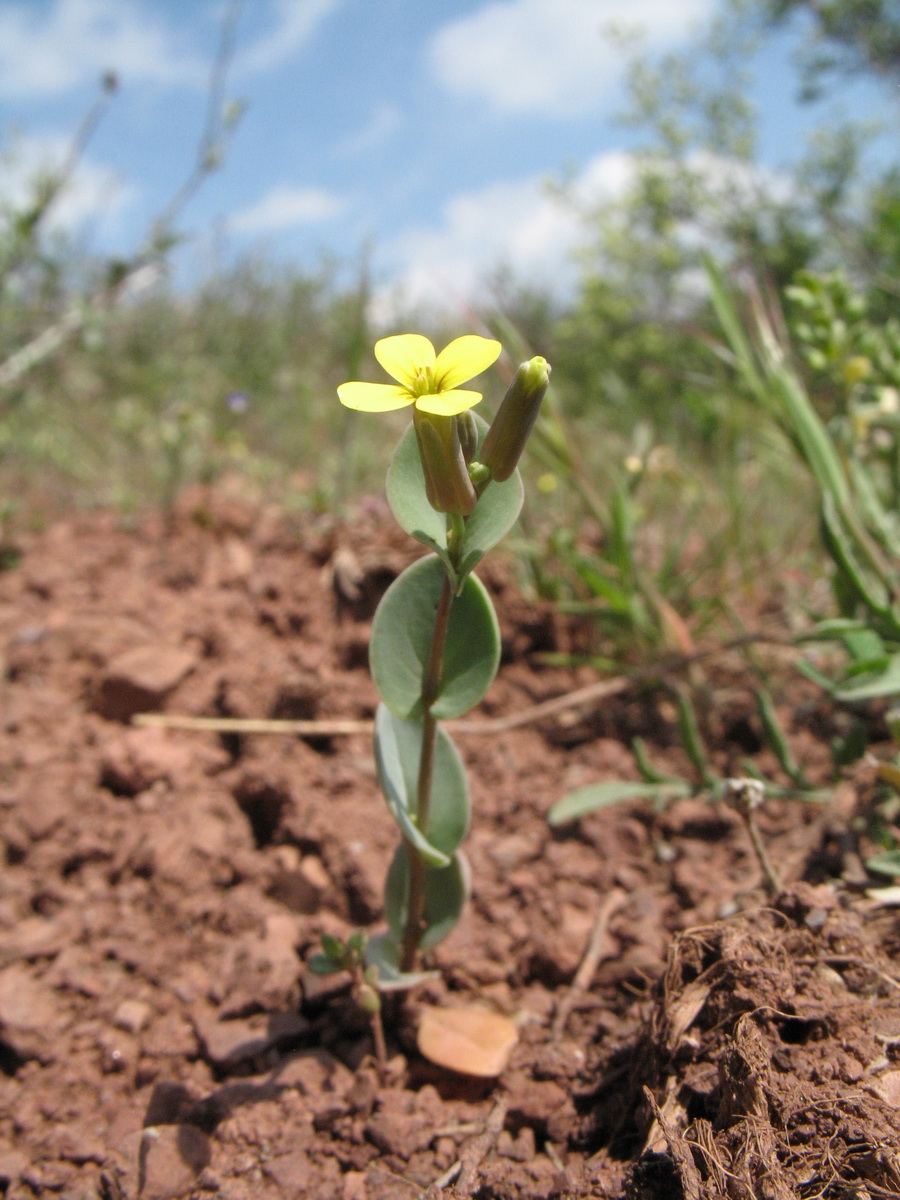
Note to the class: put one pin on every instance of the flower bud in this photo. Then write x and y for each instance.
(447, 482)
(468, 434)
(479, 474)
(368, 999)
(515, 419)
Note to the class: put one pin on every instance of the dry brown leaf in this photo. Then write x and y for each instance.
(471, 1040)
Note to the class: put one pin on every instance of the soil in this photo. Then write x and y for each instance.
(160, 1034)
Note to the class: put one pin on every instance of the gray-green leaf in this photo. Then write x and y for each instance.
(401, 642)
(398, 748)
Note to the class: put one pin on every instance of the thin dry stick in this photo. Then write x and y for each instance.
(599, 946)
(335, 728)
(547, 708)
(326, 728)
(471, 1156)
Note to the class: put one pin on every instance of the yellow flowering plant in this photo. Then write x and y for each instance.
(435, 648)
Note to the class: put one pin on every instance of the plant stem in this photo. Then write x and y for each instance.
(746, 796)
(415, 917)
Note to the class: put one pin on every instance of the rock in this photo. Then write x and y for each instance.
(315, 1071)
(132, 1015)
(12, 1164)
(398, 1133)
(35, 937)
(139, 757)
(29, 1014)
(47, 803)
(532, 1101)
(264, 972)
(171, 1158)
(228, 1043)
(291, 1172)
(887, 1088)
(139, 680)
(299, 883)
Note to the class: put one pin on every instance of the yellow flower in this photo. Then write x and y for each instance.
(427, 380)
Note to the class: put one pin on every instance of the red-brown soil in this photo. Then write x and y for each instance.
(161, 890)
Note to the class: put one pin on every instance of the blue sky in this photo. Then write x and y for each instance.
(427, 129)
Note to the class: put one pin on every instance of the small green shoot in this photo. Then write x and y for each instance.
(350, 956)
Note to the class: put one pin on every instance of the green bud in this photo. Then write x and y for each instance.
(515, 419)
(368, 999)
(479, 473)
(447, 483)
(467, 432)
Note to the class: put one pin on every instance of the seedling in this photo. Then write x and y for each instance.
(453, 485)
(349, 956)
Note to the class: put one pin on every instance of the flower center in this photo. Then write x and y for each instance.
(423, 383)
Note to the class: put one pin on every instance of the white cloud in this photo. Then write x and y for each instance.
(286, 207)
(382, 124)
(47, 51)
(515, 223)
(95, 198)
(526, 227)
(44, 52)
(295, 23)
(550, 56)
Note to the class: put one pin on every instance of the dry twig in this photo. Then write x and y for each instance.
(471, 1156)
(599, 946)
(336, 727)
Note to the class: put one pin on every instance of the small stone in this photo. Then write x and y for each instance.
(29, 1014)
(398, 1133)
(354, 1185)
(887, 1088)
(315, 1072)
(46, 806)
(132, 1015)
(172, 1157)
(532, 1101)
(522, 1149)
(137, 758)
(299, 883)
(12, 1164)
(291, 1172)
(35, 937)
(140, 680)
(230, 1042)
(263, 972)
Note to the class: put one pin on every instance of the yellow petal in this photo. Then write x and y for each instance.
(373, 397)
(404, 354)
(448, 404)
(464, 359)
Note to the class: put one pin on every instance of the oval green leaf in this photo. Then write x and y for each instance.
(401, 642)
(446, 889)
(398, 748)
(383, 952)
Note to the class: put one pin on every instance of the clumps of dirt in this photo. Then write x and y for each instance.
(162, 889)
(768, 1064)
